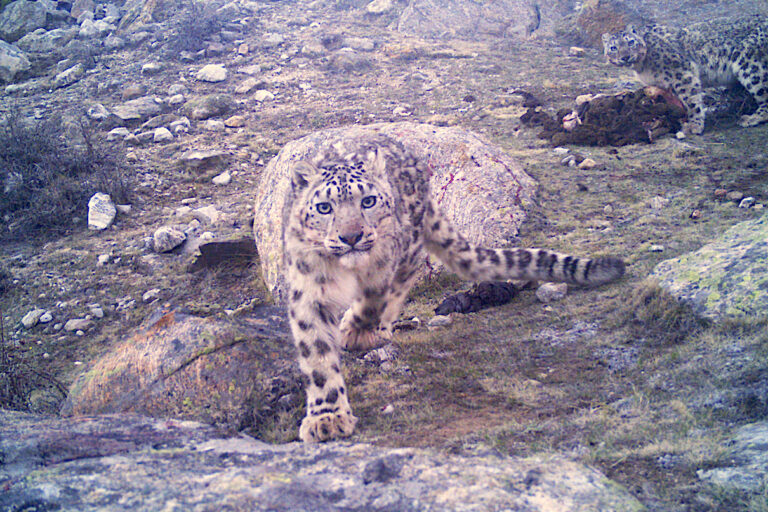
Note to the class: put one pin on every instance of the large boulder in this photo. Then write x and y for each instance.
(226, 372)
(725, 278)
(12, 61)
(472, 20)
(23, 16)
(128, 462)
(481, 189)
(43, 41)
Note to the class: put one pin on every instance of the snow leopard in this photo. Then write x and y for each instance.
(358, 220)
(716, 52)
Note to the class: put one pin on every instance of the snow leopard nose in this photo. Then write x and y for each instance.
(351, 238)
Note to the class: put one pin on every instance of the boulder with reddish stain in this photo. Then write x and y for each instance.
(222, 371)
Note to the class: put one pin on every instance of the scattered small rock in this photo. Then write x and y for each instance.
(78, 324)
(263, 95)
(587, 163)
(101, 211)
(222, 179)
(151, 295)
(656, 248)
(735, 196)
(118, 134)
(247, 85)
(576, 51)
(212, 73)
(46, 317)
(162, 134)
(235, 122)
(747, 202)
(96, 310)
(551, 292)
(721, 193)
(167, 238)
(151, 68)
(30, 319)
(439, 321)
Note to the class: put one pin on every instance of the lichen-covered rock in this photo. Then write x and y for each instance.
(725, 278)
(12, 61)
(481, 189)
(138, 109)
(167, 238)
(208, 106)
(748, 460)
(128, 462)
(231, 373)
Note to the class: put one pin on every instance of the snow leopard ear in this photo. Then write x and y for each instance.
(301, 173)
(377, 162)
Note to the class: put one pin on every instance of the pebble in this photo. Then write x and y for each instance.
(102, 259)
(243, 49)
(235, 122)
(78, 324)
(551, 292)
(46, 317)
(561, 151)
(747, 202)
(162, 134)
(734, 196)
(439, 321)
(656, 248)
(587, 163)
(680, 135)
(151, 295)
(118, 134)
(96, 310)
(213, 125)
(247, 85)
(222, 179)
(175, 100)
(576, 51)
(721, 193)
(608, 209)
(263, 95)
(389, 409)
(151, 68)
(124, 209)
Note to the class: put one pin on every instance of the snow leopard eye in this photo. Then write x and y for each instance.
(324, 208)
(368, 202)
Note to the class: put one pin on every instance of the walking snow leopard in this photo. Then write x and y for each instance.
(356, 224)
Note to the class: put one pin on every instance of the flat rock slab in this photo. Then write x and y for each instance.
(222, 371)
(749, 458)
(726, 278)
(146, 464)
(482, 190)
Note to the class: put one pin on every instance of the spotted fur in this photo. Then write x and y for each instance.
(717, 52)
(356, 227)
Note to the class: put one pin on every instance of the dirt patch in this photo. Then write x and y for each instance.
(616, 120)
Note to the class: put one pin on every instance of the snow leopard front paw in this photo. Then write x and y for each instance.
(359, 339)
(327, 426)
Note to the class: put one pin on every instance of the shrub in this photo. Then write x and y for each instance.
(46, 179)
(195, 23)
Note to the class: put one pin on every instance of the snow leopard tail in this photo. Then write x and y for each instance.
(483, 264)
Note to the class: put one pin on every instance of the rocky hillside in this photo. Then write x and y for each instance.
(136, 137)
